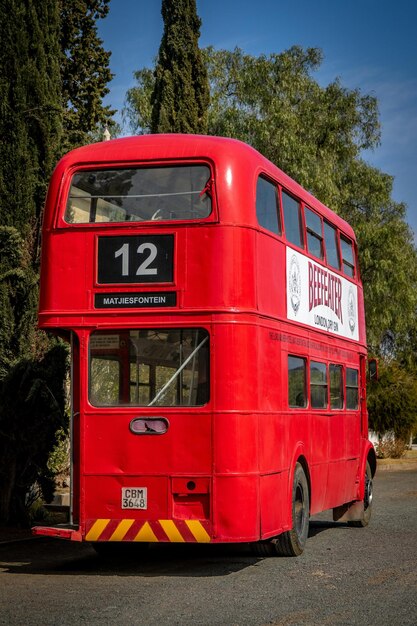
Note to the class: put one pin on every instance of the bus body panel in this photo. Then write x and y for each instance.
(275, 515)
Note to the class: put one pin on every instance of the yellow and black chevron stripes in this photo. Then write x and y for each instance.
(178, 531)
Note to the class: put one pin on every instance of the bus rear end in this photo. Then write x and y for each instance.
(147, 441)
(136, 273)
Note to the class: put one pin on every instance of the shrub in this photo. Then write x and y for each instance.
(390, 448)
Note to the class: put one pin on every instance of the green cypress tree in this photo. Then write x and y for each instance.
(30, 131)
(53, 74)
(30, 109)
(181, 95)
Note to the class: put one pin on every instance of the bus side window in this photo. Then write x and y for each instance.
(297, 396)
(347, 256)
(332, 251)
(292, 220)
(314, 233)
(267, 206)
(352, 389)
(318, 385)
(336, 386)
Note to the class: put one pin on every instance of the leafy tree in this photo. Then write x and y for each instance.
(392, 403)
(273, 103)
(181, 93)
(388, 260)
(138, 106)
(84, 69)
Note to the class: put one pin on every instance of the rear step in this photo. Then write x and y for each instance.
(61, 531)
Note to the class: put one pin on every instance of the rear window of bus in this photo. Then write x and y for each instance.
(178, 192)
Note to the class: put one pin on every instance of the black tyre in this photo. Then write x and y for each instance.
(264, 548)
(291, 543)
(367, 500)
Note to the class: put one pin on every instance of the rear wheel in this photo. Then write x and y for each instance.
(367, 500)
(291, 543)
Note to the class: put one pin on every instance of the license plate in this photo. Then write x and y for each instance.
(135, 498)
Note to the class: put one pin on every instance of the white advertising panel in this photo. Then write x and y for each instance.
(319, 298)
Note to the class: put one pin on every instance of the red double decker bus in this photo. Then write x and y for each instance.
(215, 314)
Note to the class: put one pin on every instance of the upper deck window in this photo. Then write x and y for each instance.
(179, 192)
(267, 206)
(332, 251)
(314, 233)
(292, 220)
(347, 256)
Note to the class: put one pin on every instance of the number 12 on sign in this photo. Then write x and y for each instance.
(144, 268)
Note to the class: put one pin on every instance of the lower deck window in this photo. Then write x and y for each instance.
(352, 388)
(324, 378)
(152, 367)
(318, 385)
(297, 396)
(336, 386)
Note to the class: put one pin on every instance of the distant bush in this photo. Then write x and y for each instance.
(59, 458)
(391, 448)
(32, 410)
(37, 512)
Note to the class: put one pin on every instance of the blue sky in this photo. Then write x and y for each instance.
(368, 44)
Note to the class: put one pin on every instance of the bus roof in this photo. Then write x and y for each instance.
(221, 150)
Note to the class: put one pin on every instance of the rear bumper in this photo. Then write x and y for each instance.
(72, 533)
(158, 531)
